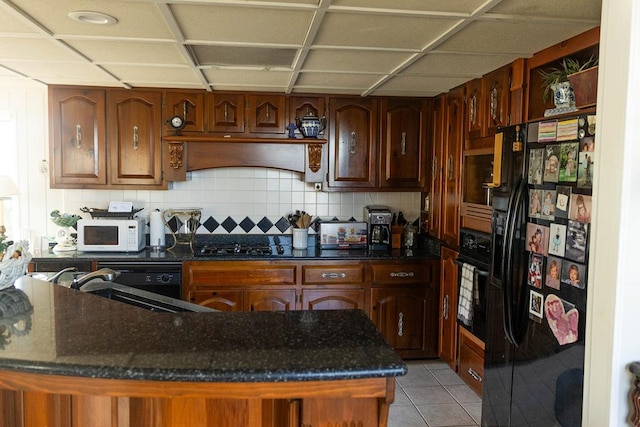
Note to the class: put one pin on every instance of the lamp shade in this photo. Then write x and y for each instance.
(7, 187)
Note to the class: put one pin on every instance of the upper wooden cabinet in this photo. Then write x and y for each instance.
(487, 106)
(434, 213)
(85, 123)
(189, 106)
(353, 142)
(133, 119)
(300, 106)
(78, 137)
(233, 113)
(403, 148)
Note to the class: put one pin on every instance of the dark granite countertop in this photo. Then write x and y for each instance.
(71, 333)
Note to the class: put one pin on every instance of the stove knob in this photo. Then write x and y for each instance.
(165, 278)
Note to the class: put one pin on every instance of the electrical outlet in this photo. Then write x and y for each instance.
(44, 167)
(318, 186)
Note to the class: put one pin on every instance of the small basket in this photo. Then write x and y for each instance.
(13, 268)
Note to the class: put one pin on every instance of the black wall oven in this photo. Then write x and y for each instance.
(475, 250)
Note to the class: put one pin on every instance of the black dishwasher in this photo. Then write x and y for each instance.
(164, 278)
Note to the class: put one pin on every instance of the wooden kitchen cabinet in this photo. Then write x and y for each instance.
(353, 142)
(189, 106)
(471, 360)
(448, 330)
(270, 300)
(246, 113)
(338, 285)
(333, 299)
(218, 299)
(134, 121)
(404, 304)
(300, 106)
(225, 112)
(78, 149)
(474, 118)
(86, 123)
(403, 143)
(434, 211)
(266, 113)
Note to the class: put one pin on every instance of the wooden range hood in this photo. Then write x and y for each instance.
(189, 153)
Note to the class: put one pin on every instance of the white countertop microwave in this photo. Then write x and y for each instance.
(111, 235)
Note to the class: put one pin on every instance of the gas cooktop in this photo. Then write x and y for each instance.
(244, 245)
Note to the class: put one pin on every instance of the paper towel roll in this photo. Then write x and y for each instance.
(156, 230)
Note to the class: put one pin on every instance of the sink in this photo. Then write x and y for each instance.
(139, 298)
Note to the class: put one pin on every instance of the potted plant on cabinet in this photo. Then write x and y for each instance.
(556, 80)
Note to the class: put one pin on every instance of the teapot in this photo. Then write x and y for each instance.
(310, 126)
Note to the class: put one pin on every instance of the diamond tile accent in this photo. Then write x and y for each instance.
(247, 224)
(174, 224)
(211, 224)
(282, 224)
(265, 224)
(229, 224)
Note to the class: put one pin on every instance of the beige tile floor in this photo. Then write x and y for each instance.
(432, 395)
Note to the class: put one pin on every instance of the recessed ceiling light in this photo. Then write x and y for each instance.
(96, 18)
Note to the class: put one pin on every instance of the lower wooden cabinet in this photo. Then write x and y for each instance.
(401, 297)
(448, 330)
(471, 360)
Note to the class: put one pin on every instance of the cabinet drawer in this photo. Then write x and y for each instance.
(401, 273)
(332, 274)
(471, 367)
(238, 274)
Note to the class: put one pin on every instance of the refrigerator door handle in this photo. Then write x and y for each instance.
(511, 222)
(520, 302)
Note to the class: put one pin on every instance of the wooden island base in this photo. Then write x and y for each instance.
(36, 400)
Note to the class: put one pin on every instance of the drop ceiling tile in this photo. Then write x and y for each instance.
(520, 38)
(247, 78)
(335, 80)
(382, 31)
(35, 49)
(248, 55)
(129, 52)
(418, 84)
(242, 24)
(458, 6)
(382, 62)
(463, 65)
(135, 19)
(11, 23)
(588, 9)
(53, 71)
(152, 74)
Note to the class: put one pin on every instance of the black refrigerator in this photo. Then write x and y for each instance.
(534, 347)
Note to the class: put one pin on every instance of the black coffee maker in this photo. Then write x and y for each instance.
(378, 227)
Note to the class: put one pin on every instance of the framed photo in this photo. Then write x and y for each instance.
(588, 143)
(563, 196)
(535, 203)
(580, 208)
(585, 169)
(552, 163)
(557, 239)
(537, 238)
(536, 267)
(536, 165)
(573, 274)
(576, 246)
(535, 305)
(552, 272)
(568, 162)
(548, 204)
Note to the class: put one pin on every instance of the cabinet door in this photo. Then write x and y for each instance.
(497, 99)
(448, 308)
(353, 142)
(266, 113)
(403, 144)
(270, 300)
(399, 313)
(223, 300)
(300, 106)
(135, 148)
(225, 112)
(454, 116)
(437, 168)
(475, 121)
(333, 299)
(188, 105)
(78, 137)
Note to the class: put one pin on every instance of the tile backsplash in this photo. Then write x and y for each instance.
(252, 198)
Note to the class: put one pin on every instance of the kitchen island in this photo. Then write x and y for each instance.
(80, 359)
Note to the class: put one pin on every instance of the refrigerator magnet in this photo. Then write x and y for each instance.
(537, 238)
(563, 195)
(552, 274)
(557, 239)
(535, 306)
(567, 130)
(547, 131)
(576, 246)
(573, 274)
(562, 318)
